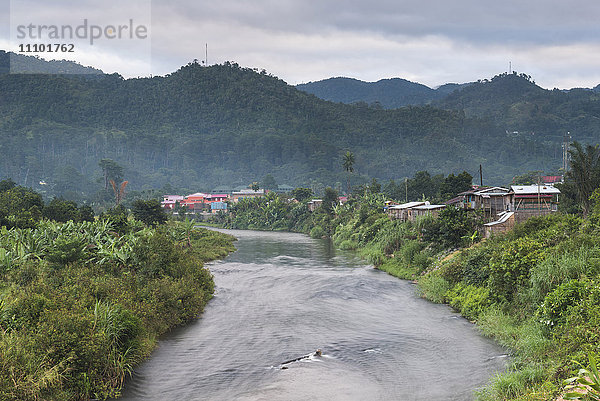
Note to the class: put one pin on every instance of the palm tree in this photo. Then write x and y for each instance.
(584, 172)
(348, 166)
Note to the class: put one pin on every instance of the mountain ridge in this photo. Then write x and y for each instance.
(201, 127)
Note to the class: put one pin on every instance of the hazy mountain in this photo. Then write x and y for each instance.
(223, 125)
(516, 103)
(390, 93)
(22, 64)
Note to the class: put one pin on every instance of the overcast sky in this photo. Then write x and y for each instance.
(427, 41)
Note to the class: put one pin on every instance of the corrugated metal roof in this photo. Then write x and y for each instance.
(429, 207)
(407, 205)
(534, 189)
(504, 216)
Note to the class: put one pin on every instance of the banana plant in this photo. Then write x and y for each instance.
(586, 385)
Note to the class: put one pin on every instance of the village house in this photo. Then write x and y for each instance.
(411, 210)
(314, 204)
(247, 193)
(505, 222)
(169, 201)
(217, 206)
(526, 201)
(425, 210)
(552, 179)
(401, 212)
(492, 200)
(534, 200)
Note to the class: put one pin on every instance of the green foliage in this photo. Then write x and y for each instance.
(469, 300)
(150, 212)
(450, 228)
(61, 210)
(301, 194)
(584, 172)
(77, 331)
(557, 303)
(434, 287)
(586, 382)
(317, 232)
(510, 267)
(560, 267)
(67, 250)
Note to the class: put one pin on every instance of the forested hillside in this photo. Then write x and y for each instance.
(389, 93)
(515, 102)
(224, 125)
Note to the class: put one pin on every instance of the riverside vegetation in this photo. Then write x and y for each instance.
(535, 289)
(82, 302)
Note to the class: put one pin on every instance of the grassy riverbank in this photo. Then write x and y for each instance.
(534, 290)
(82, 303)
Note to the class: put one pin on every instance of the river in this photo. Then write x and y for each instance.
(282, 296)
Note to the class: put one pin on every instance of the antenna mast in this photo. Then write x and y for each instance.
(565, 148)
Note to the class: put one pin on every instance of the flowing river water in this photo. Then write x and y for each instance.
(280, 297)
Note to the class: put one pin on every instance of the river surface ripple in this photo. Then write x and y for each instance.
(281, 296)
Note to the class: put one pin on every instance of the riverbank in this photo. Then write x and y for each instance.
(534, 290)
(81, 304)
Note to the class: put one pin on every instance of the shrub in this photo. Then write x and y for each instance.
(434, 288)
(558, 268)
(469, 300)
(557, 303)
(510, 267)
(66, 250)
(408, 251)
(317, 232)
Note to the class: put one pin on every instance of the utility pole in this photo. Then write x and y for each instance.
(565, 150)
(539, 197)
(481, 175)
(406, 190)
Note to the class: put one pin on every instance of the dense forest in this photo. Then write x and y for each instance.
(388, 93)
(224, 125)
(513, 101)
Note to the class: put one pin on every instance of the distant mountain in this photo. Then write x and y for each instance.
(22, 64)
(389, 93)
(202, 127)
(515, 102)
(447, 89)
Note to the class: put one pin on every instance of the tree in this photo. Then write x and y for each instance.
(584, 172)
(269, 183)
(453, 185)
(330, 200)
(255, 186)
(348, 165)
(528, 178)
(301, 194)
(149, 211)
(5, 185)
(61, 210)
(393, 190)
(111, 171)
(374, 186)
(86, 213)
